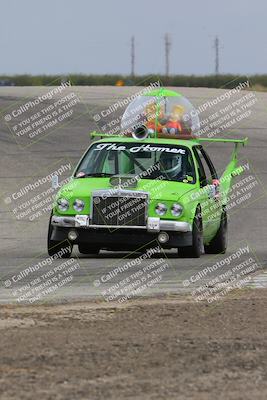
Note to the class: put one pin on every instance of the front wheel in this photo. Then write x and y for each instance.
(197, 247)
(219, 242)
(55, 248)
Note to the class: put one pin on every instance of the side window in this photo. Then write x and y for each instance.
(209, 167)
(207, 171)
(205, 166)
(200, 167)
(190, 168)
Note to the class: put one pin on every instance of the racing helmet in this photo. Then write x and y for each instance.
(170, 164)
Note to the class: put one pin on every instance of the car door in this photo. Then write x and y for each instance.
(209, 199)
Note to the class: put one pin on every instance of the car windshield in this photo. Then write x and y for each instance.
(144, 160)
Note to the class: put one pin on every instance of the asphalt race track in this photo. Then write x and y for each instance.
(25, 162)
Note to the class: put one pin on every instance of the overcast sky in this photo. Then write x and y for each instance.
(72, 36)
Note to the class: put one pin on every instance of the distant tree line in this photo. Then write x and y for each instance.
(211, 81)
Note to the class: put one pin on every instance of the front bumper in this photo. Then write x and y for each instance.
(120, 238)
(153, 224)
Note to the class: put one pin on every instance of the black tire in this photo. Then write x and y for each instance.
(56, 248)
(85, 249)
(197, 247)
(219, 243)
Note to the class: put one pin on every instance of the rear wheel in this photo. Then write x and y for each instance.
(87, 249)
(61, 249)
(219, 242)
(197, 247)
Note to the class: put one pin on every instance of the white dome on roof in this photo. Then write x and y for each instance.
(161, 111)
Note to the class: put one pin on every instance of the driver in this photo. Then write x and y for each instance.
(171, 165)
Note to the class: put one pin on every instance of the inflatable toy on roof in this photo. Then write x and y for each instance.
(160, 113)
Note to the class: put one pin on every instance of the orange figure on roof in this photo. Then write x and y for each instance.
(154, 115)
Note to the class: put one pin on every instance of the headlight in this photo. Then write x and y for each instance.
(161, 209)
(63, 204)
(78, 205)
(176, 210)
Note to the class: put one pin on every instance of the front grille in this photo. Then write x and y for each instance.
(120, 210)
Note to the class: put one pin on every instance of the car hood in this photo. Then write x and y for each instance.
(157, 189)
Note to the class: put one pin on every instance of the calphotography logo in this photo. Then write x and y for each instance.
(134, 277)
(42, 280)
(32, 119)
(34, 197)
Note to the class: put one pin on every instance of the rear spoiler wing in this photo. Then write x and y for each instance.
(222, 140)
(101, 135)
(214, 140)
(231, 169)
(236, 142)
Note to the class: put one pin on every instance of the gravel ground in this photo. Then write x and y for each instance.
(165, 348)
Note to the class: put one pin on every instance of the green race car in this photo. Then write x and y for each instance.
(157, 183)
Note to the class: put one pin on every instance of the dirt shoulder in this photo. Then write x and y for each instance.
(164, 348)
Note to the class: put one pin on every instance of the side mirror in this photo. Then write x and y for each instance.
(54, 182)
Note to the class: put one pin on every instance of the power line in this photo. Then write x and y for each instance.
(167, 54)
(132, 56)
(217, 56)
